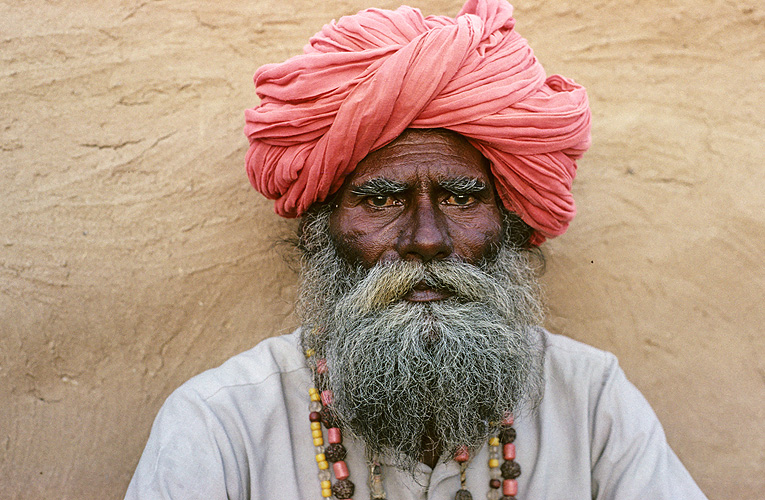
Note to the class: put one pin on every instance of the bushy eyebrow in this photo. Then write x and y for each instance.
(462, 185)
(379, 186)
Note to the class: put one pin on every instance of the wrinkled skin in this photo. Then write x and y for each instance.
(427, 195)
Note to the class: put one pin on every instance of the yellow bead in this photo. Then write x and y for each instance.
(324, 465)
(313, 390)
(493, 463)
(315, 426)
(318, 441)
(326, 485)
(316, 433)
(320, 457)
(326, 492)
(309, 353)
(494, 441)
(315, 397)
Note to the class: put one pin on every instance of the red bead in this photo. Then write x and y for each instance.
(314, 416)
(508, 451)
(462, 454)
(341, 470)
(495, 484)
(508, 419)
(326, 397)
(321, 365)
(334, 435)
(510, 487)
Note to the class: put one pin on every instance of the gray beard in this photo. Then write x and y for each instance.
(398, 369)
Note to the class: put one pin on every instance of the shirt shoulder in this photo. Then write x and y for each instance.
(271, 358)
(597, 416)
(208, 437)
(561, 347)
(577, 366)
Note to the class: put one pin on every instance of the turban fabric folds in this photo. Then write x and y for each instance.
(366, 78)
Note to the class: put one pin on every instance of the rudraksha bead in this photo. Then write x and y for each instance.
(507, 435)
(343, 489)
(328, 418)
(463, 495)
(335, 452)
(510, 469)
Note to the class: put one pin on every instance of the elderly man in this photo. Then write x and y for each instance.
(427, 159)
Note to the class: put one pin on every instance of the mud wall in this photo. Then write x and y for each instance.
(133, 253)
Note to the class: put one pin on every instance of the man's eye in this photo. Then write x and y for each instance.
(460, 199)
(381, 200)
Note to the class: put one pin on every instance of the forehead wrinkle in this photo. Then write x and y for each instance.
(423, 154)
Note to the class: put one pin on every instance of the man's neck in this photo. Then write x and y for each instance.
(431, 449)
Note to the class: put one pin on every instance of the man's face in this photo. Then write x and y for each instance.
(426, 196)
(412, 281)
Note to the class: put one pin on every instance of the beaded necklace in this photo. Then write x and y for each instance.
(502, 477)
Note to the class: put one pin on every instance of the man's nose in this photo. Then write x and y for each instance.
(425, 234)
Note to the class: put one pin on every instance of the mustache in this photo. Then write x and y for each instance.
(388, 283)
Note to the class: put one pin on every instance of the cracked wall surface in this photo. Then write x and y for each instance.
(134, 254)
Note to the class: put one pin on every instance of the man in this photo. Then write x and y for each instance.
(428, 158)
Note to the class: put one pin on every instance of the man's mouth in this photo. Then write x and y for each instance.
(424, 293)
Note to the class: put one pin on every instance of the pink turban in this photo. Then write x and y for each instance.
(364, 79)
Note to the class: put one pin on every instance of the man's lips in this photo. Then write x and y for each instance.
(423, 293)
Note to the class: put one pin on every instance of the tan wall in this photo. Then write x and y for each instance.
(133, 253)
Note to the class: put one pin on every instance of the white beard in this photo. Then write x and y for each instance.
(399, 368)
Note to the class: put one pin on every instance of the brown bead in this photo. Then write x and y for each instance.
(510, 469)
(314, 416)
(343, 489)
(328, 418)
(495, 484)
(463, 495)
(507, 435)
(335, 452)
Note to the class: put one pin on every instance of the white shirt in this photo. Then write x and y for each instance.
(241, 431)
